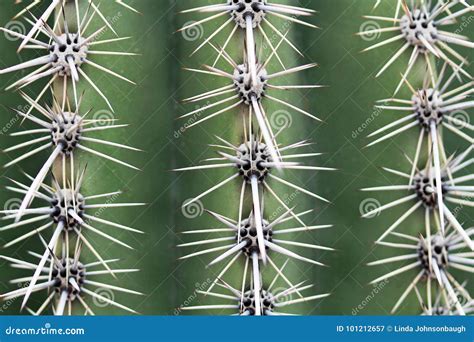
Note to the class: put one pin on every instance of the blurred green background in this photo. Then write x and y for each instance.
(151, 109)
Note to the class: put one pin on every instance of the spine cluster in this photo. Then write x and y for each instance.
(252, 239)
(54, 209)
(435, 183)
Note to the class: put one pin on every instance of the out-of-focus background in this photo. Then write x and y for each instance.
(151, 109)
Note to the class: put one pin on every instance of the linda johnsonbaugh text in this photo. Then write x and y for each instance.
(428, 328)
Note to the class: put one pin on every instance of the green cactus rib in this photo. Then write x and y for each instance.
(231, 126)
(72, 201)
(436, 185)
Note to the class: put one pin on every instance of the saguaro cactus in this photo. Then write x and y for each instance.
(434, 181)
(255, 153)
(68, 212)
